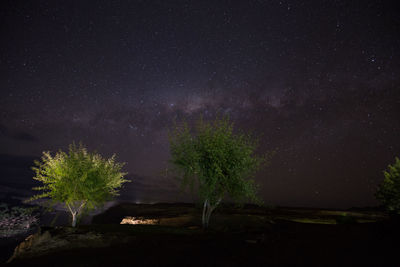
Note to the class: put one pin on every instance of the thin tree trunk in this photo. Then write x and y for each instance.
(207, 215)
(74, 216)
(203, 218)
(75, 212)
(207, 210)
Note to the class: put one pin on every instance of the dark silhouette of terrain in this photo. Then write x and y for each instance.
(248, 236)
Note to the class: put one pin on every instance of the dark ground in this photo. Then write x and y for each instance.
(247, 237)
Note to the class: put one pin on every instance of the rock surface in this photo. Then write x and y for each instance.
(183, 220)
(139, 220)
(246, 237)
(53, 239)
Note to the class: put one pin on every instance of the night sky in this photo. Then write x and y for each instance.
(318, 81)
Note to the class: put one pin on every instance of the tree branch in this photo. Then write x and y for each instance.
(69, 208)
(81, 206)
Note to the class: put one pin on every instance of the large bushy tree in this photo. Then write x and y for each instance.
(79, 179)
(218, 161)
(389, 190)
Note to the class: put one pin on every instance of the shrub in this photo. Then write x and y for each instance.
(79, 179)
(389, 190)
(345, 219)
(220, 162)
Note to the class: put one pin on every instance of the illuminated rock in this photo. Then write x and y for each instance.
(169, 221)
(139, 220)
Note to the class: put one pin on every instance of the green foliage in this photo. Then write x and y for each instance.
(79, 179)
(220, 162)
(345, 218)
(389, 190)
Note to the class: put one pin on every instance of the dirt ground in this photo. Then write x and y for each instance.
(245, 237)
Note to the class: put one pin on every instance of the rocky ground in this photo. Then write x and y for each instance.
(249, 236)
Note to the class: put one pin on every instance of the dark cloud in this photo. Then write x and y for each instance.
(153, 189)
(17, 135)
(24, 136)
(16, 172)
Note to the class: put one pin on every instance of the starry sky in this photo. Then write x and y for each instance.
(318, 81)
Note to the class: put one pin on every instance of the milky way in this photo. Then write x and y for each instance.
(318, 81)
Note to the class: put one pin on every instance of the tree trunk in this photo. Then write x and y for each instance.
(203, 218)
(75, 211)
(207, 210)
(74, 217)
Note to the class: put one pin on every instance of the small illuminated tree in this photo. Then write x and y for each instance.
(220, 162)
(79, 179)
(389, 190)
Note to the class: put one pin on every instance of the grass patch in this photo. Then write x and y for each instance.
(310, 220)
(138, 229)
